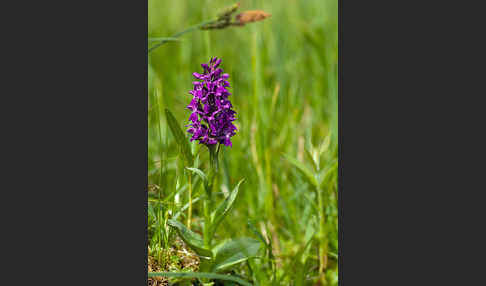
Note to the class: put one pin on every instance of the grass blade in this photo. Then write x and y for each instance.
(325, 144)
(189, 275)
(166, 39)
(255, 231)
(199, 173)
(303, 169)
(310, 158)
(184, 208)
(203, 176)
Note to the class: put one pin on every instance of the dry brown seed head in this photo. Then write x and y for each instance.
(251, 16)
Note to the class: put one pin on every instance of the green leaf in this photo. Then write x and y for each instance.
(199, 275)
(234, 251)
(324, 175)
(255, 231)
(268, 245)
(192, 239)
(202, 175)
(199, 173)
(179, 137)
(295, 265)
(218, 215)
(311, 159)
(303, 169)
(325, 144)
(184, 208)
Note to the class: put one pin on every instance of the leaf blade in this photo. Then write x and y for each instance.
(207, 275)
(200, 173)
(325, 144)
(179, 137)
(234, 251)
(222, 210)
(303, 169)
(192, 239)
(203, 176)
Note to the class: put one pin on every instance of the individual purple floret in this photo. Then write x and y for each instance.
(211, 118)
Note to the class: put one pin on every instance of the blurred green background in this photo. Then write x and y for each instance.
(283, 75)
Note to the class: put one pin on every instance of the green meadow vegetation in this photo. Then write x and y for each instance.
(264, 211)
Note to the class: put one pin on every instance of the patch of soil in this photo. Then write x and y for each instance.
(178, 258)
(153, 266)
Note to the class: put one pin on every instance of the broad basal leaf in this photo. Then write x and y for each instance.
(192, 239)
(234, 251)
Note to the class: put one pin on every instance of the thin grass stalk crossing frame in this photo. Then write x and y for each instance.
(177, 35)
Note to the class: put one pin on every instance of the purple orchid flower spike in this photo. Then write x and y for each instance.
(211, 114)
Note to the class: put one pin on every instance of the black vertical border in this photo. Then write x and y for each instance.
(340, 142)
(80, 141)
(145, 128)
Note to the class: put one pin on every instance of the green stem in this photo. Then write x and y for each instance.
(213, 168)
(213, 157)
(207, 223)
(213, 173)
(189, 210)
(322, 235)
(190, 29)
